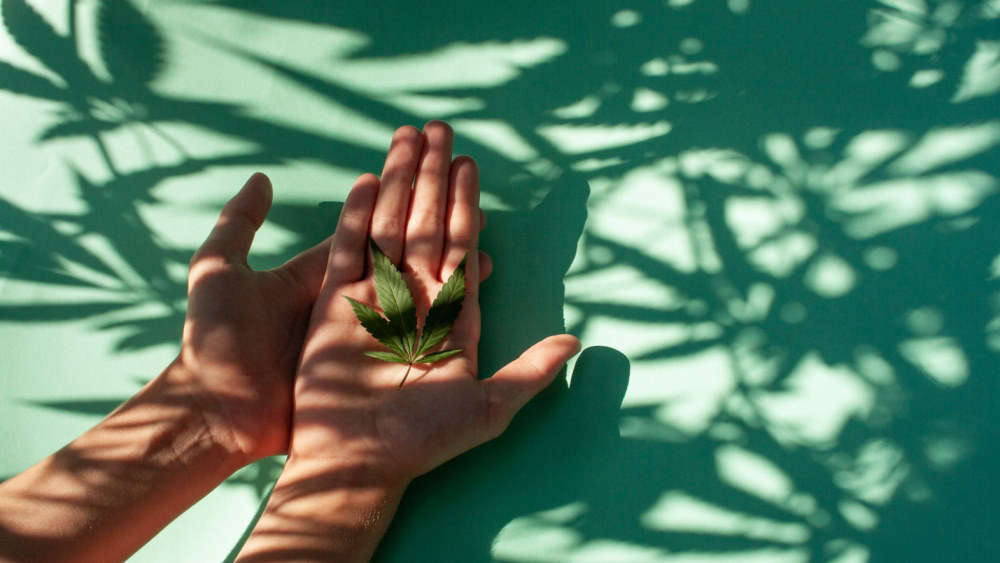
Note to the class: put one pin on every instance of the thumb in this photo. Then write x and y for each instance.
(238, 223)
(517, 382)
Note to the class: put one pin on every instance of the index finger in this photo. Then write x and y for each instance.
(348, 249)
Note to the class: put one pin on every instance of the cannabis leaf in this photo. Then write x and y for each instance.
(34, 33)
(397, 330)
(132, 48)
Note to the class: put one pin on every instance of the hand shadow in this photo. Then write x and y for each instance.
(558, 450)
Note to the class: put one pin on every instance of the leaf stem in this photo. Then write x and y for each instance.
(407, 374)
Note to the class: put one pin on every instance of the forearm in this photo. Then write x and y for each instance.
(105, 494)
(323, 511)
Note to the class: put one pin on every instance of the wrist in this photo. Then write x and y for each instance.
(324, 509)
(180, 384)
(103, 495)
(344, 474)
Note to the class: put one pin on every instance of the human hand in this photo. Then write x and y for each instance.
(358, 438)
(424, 214)
(224, 402)
(244, 329)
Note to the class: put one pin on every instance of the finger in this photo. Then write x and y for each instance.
(462, 227)
(388, 224)
(482, 220)
(238, 222)
(461, 241)
(485, 266)
(425, 225)
(467, 328)
(517, 382)
(349, 247)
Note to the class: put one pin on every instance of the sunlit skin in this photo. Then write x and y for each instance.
(273, 362)
(357, 438)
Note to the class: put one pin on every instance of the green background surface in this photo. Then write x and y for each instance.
(772, 223)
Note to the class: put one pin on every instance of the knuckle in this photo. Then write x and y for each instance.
(386, 225)
(205, 265)
(426, 218)
(353, 218)
(462, 240)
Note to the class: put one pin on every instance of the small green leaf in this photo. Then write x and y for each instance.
(387, 357)
(395, 299)
(397, 330)
(377, 326)
(431, 358)
(444, 310)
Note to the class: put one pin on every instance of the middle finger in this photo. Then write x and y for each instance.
(425, 225)
(389, 219)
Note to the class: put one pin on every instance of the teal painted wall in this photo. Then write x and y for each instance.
(774, 225)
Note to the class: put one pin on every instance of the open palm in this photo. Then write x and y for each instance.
(424, 215)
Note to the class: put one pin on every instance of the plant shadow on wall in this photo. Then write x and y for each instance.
(813, 240)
